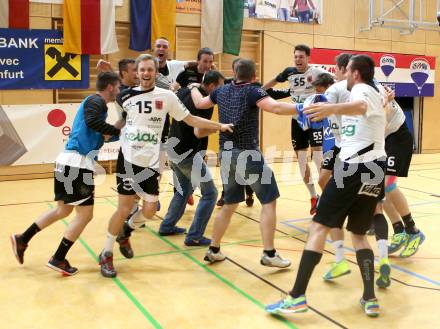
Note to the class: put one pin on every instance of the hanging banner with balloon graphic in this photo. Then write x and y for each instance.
(407, 75)
(420, 69)
(387, 65)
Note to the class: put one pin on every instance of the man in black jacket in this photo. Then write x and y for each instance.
(185, 152)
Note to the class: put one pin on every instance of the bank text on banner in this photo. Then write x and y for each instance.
(35, 59)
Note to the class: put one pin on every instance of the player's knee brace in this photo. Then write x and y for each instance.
(390, 184)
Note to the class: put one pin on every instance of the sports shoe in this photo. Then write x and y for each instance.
(106, 262)
(62, 266)
(275, 261)
(288, 305)
(337, 269)
(125, 246)
(18, 247)
(221, 201)
(201, 242)
(174, 231)
(413, 244)
(212, 257)
(250, 200)
(371, 307)
(190, 200)
(397, 241)
(314, 204)
(383, 281)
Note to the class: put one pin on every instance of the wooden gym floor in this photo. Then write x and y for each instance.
(167, 285)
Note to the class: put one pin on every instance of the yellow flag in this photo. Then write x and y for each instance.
(163, 19)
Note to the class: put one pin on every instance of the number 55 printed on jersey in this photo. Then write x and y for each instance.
(299, 81)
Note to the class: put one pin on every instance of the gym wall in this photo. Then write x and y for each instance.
(270, 44)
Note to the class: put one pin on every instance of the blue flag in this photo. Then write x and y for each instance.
(140, 18)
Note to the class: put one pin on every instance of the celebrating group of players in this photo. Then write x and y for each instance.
(358, 176)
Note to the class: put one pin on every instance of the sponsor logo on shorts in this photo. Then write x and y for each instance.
(370, 190)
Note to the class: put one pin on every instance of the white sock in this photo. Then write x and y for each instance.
(339, 250)
(382, 246)
(137, 220)
(109, 243)
(312, 190)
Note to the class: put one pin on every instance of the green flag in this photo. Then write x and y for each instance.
(232, 26)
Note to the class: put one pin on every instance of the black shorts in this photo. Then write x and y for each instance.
(329, 158)
(73, 185)
(302, 139)
(399, 149)
(352, 196)
(132, 179)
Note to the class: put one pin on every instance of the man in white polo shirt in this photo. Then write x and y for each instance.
(355, 187)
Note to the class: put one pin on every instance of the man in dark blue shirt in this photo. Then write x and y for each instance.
(241, 160)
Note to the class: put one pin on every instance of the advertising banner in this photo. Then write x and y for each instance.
(407, 75)
(36, 134)
(189, 6)
(35, 59)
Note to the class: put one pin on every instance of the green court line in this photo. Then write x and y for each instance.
(217, 275)
(195, 248)
(221, 278)
(183, 250)
(120, 285)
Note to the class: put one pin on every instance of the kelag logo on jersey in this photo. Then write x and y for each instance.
(142, 137)
(349, 130)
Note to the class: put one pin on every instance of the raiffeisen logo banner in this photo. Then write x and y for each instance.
(51, 126)
(408, 75)
(35, 59)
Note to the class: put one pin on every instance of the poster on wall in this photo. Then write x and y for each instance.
(298, 11)
(20, 145)
(189, 6)
(407, 75)
(35, 59)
